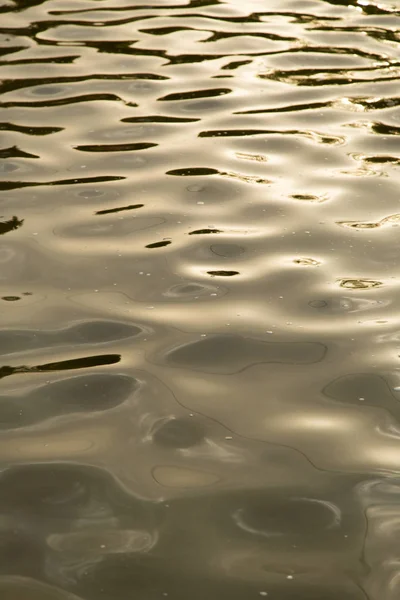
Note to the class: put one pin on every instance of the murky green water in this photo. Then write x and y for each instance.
(199, 283)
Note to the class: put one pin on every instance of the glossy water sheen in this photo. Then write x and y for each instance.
(199, 283)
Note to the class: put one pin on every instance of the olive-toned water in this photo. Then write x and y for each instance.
(199, 293)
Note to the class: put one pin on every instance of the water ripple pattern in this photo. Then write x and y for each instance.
(199, 283)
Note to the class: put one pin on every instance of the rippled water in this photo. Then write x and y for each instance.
(199, 282)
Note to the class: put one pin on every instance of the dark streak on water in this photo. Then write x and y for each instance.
(200, 326)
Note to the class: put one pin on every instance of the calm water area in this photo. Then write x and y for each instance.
(200, 299)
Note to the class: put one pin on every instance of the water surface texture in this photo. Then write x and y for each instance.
(199, 292)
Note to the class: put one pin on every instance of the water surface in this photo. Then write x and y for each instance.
(199, 283)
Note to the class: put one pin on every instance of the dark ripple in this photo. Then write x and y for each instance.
(283, 109)
(193, 172)
(232, 353)
(10, 225)
(116, 147)
(364, 389)
(15, 152)
(108, 211)
(29, 130)
(327, 77)
(382, 159)
(63, 365)
(223, 273)
(384, 129)
(211, 93)
(294, 517)
(375, 104)
(62, 60)
(158, 119)
(69, 491)
(369, 9)
(46, 85)
(66, 101)
(13, 185)
(192, 291)
(84, 394)
(10, 49)
(159, 244)
(318, 137)
(88, 332)
(204, 231)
